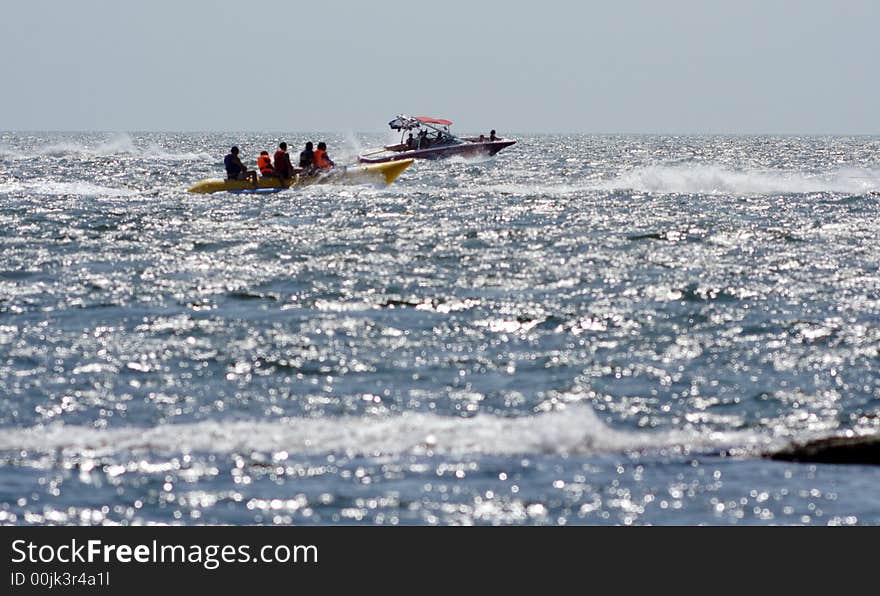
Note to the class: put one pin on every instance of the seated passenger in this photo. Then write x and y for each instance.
(235, 170)
(264, 162)
(410, 142)
(283, 167)
(492, 137)
(307, 157)
(322, 161)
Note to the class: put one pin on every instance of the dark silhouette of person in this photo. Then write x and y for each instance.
(283, 167)
(307, 156)
(235, 170)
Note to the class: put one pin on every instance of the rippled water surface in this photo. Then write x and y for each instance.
(583, 329)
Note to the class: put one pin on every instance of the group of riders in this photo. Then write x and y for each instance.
(423, 141)
(311, 161)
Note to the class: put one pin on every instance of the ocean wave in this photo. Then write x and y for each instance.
(118, 145)
(85, 189)
(156, 152)
(712, 179)
(543, 190)
(471, 159)
(575, 431)
(706, 180)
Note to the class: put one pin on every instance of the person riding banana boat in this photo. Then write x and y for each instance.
(310, 162)
(283, 167)
(316, 167)
(235, 169)
(321, 160)
(264, 164)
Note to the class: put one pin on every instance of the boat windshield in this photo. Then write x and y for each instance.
(422, 132)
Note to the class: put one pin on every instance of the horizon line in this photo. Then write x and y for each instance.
(528, 133)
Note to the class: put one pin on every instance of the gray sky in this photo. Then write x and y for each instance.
(666, 66)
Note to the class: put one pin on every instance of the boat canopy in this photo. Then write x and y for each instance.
(409, 122)
(439, 121)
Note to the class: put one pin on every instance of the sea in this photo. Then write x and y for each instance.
(581, 330)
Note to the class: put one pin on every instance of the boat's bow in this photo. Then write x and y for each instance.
(394, 169)
(496, 146)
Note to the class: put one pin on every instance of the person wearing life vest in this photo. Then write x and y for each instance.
(321, 160)
(283, 167)
(264, 162)
(235, 170)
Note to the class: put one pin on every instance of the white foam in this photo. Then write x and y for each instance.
(119, 145)
(713, 179)
(63, 189)
(156, 152)
(708, 180)
(476, 158)
(575, 430)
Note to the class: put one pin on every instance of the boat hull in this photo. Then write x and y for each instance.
(381, 173)
(467, 149)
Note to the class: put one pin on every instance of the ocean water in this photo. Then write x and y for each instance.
(581, 330)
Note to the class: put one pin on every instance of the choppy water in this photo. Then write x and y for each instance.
(584, 329)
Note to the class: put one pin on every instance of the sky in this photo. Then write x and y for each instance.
(627, 66)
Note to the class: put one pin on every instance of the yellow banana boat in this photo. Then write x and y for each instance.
(358, 174)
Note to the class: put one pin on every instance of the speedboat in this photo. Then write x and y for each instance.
(430, 138)
(357, 174)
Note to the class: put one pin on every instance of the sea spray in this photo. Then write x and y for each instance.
(74, 188)
(712, 180)
(715, 179)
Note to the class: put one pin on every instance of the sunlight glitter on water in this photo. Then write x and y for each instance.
(584, 304)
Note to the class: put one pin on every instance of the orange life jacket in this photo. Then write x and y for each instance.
(265, 165)
(321, 160)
